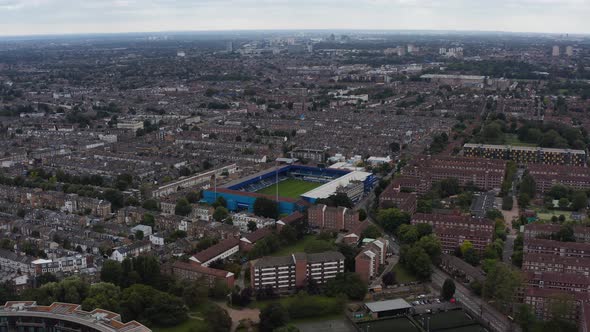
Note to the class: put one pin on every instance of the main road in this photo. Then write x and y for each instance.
(498, 321)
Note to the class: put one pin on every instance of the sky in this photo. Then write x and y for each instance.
(32, 17)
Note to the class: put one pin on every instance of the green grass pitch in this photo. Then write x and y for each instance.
(290, 188)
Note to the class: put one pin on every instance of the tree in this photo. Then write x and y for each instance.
(471, 256)
(193, 197)
(139, 235)
(362, 214)
(288, 234)
(150, 306)
(220, 201)
(431, 245)
(338, 199)
(524, 200)
(528, 186)
(273, 317)
(371, 232)
(389, 278)
(252, 226)
(501, 284)
(416, 260)
(148, 219)
(111, 272)
(563, 203)
(115, 197)
(218, 320)
(448, 289)
(220, 213)
(103, 295)
(449, 187)
(465, 246)
(267, 208)
(391, 219)
(349, 284)
(579, 200)
(565, 234)
(183, 207)
(423, 229)
(525, 317)
(407, 234)
(350, 254)
(150, 204)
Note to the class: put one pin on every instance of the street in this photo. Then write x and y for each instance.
(487, 313)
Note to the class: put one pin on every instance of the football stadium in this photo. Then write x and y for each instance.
(294, 186)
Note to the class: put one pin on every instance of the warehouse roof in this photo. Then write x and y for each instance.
(396, 304)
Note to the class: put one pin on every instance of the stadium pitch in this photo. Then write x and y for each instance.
(290, 188)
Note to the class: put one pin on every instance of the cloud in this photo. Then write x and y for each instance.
(66, 16)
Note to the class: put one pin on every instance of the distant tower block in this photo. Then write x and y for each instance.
(555, 51)
(569, 51)
(229, 47)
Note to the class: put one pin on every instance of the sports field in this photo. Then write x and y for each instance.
(290, 188)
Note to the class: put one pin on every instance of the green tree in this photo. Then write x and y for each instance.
(563, 203)
(288, 235)
(579, 200)
(150, 306)
(431, 245)
(424, 229)
(349, 284)
(148, 219)
(362, 214)
(193, 197)
(471, 256)
(407, 234)
(448, 289)
(273, 317)
(183, 207)
(267, 208)
(103, 295)
(218, 320)
(115, 197)
(525, 317)
(111, 272)
(524, 200)
(501, 283)
(150, 204)
(252, 226)
(371, 232)
(528, 186)
(391, 219)
(220, 213)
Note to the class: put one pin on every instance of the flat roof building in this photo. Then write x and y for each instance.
(388, 308)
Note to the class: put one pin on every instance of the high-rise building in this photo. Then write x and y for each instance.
(229, 47)
(555, 51)
(569, 51)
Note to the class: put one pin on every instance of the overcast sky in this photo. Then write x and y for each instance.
(23, 17)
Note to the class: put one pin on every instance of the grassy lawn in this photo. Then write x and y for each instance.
(290, 188)
(195, 322)
(286, 301)
(299, 246)
(546, 215)
(512, 139)
(402, 275)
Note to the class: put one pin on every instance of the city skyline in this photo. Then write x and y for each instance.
(39, 17)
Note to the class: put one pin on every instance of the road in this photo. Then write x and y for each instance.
(508, 249)
(487, 313)
(498, 321)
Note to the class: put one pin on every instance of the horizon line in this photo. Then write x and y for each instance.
(366, 30)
